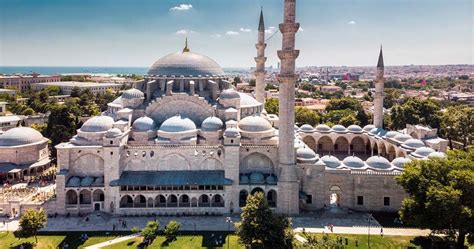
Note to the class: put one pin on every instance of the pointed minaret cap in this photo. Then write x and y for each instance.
(261, 24)
(186, 49)
(380, 62)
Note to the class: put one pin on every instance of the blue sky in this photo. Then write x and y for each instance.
(138, 32)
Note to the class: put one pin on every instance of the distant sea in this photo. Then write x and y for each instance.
(88, 70)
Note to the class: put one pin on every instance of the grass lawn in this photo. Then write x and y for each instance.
(376, 241)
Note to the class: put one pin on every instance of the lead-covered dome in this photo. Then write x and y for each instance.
(354, 129)
(339, 129)
(322, 128)
(178, 124)
(144, 124)
(331, 161)
(402, 137)
(212, 124)
(378, 162)
(185, 63)
(306, 128)
(422, 152)
(230, 93)
(20, 136)
(413, 144)
(400, 162)
(98, 124)
(254, 124)
(353, 162)
(132, 93)
(306, 153)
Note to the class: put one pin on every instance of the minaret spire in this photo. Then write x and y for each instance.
(260, 60)
(379, 92)
(186, 49)
(288, 201)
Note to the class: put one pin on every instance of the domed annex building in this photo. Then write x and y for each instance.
(184, 141)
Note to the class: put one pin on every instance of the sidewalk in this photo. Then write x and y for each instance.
(113, 241)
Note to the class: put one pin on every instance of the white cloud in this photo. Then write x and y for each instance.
(216, 35)
(182, 7)
(245, 30)
(300, 29)
(351, 22)
(184, 32)
(232, 33)
(270, 30)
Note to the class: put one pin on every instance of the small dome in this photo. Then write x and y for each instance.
(178, 124)
(305, 153)
(271, 179)
(74, 182)
(212, 124)
(133, 94)
(247, 100)
(99, 181)
(257, 178)
(392, 134)
(402, 137)
(244, 179)
(377, 132)
(254, 124)
(437, 154)
(87, 181)
(144, 124)
(229, 94)
(400, 162)
(331, 161)
(20, 136)
(354, 129)
(378, 162)
(413, 144)
(306, 128)
(368, 128)
(323, 128)
(231, 132)
(114, 132)
(422, 152)
(339, 129)
(98, 124)
(353, 162)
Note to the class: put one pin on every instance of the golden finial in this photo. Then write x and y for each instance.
(186, 49)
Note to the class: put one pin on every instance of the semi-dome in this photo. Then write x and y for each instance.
(437, 154)
(392, 134)
(74, 182)
(254, 124)
(306, 128)
(98, 124)
(20, 136)
(247, 100)
(331, 161)
(368, 128)
(144, 124)
(354, 129)
(231, 132)
(271, 179)
(244, 179)
(400, 162)
(230, 93)
(339, 129)
(353, 162)
(402, 137)
(133, 93)
(257, 178)
(422, 152)
(212, 124)
(185, 63)
(178, 124)
(378, 162)
(305, 153)
(323, 128)
(114, 132)
(413, 143)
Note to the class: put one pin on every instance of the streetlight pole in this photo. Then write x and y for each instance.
(228, 220)
(368, 234)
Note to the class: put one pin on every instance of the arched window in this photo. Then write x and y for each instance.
(126, 202)
(243, 197)
(140, 201)
(160, 201)
(272, 198)
(71, 197)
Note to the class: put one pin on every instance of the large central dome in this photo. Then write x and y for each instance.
(185, 63)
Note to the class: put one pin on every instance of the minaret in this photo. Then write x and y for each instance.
(287, 181)
(379, 93)
(260, 60)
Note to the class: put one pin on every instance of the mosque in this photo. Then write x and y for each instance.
(184, 142)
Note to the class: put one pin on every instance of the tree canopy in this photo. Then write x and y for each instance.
(415, 111)
(457, 123)
(441, 194)
(304, 115)
(345, 111)
(271, 105)
(31, 222)
(260, 228)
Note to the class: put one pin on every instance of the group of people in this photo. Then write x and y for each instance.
(123, 223)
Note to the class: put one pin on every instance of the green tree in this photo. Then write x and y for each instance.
(252, 82)
(392, 96)
(259, 228)
(343, 117)
(441, 194)
(150, 231)
(53, 90)
(325, 242)
(31, 222)
(272, 105)
(28, 111)
(304, 115)
(416, 111)
(348, 105)
(237, 80)
(171, 230)
(457, 123)
(75, 92)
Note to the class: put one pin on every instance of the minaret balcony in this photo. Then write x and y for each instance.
(286, 78)
(289, 28)
(261, 45)
(260, 59)
(288, 54)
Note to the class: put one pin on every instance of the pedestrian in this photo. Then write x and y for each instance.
(381, 231)
(113, 227)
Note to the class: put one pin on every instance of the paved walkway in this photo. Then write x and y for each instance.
(355, 223)
(113, 241)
